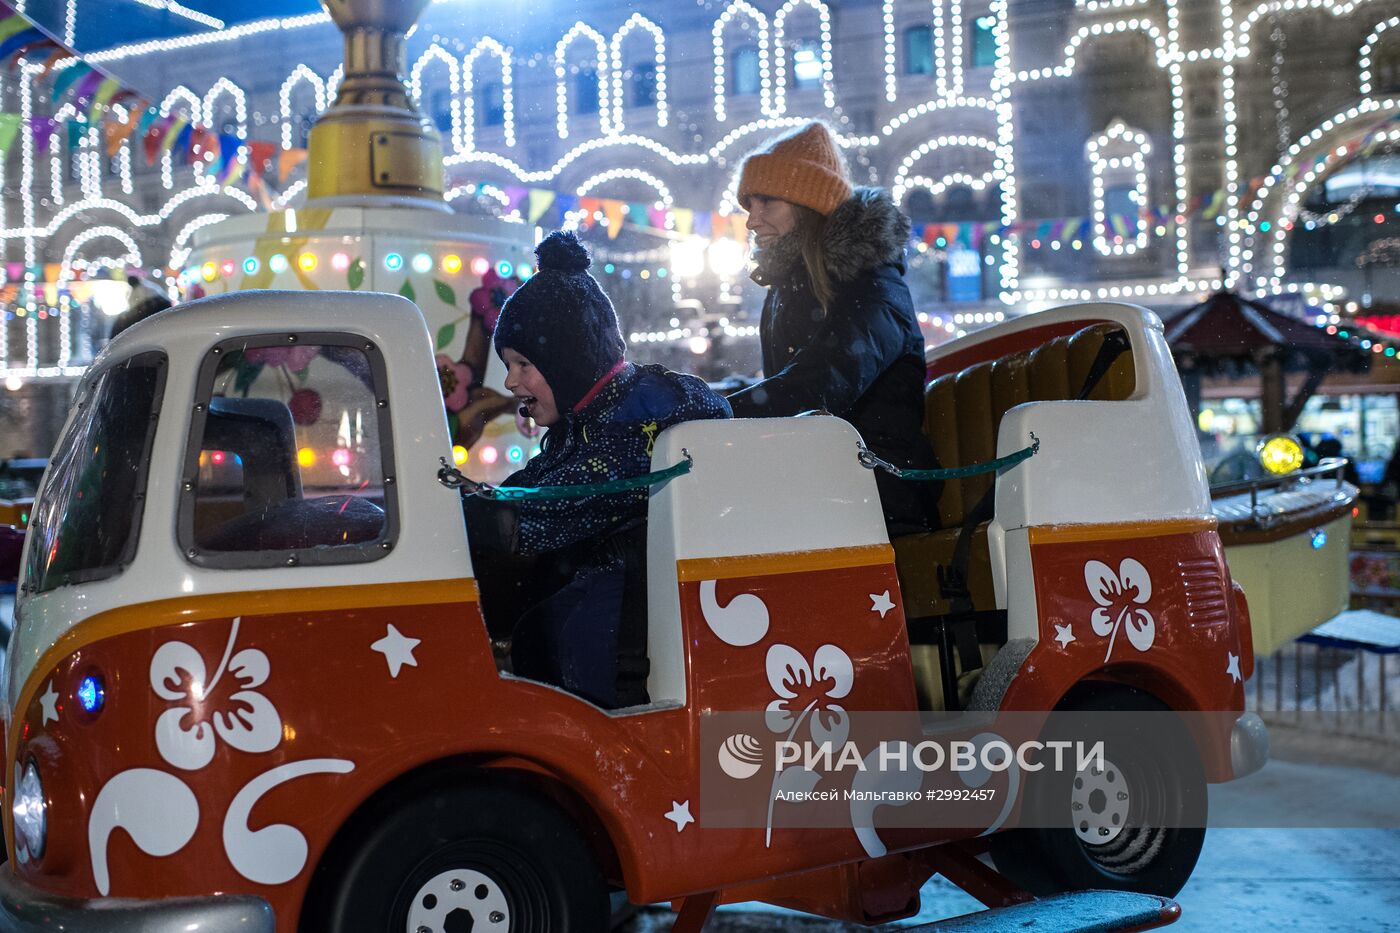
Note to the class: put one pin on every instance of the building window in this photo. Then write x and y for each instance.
(491, 103)
(586, 91)
(984, 42)
(440, 109)
(1386, 74)
(806, 65)
(918, 50)
(743, 71)
(644, 85)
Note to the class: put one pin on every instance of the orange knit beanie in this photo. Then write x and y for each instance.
(801, 167)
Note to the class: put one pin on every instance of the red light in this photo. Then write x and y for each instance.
(340, 457)
(1380, 218)
(480, 265)
(228, 267)
(489, 454)
(217, 456)
(1355, 512)
(1331, 328)
(1035, 244)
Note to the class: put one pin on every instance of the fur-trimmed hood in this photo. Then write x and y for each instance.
(866, 231)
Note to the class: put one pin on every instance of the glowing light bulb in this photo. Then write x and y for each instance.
(278, 263)
(340, 262)
(489, 455)
(306, 457)
(480, 264)
(393, 262)
(459, 454)
(422, 263)
(452, 264)
(306, 262)
(251, 265)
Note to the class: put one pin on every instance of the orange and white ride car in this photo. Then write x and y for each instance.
(251, 683)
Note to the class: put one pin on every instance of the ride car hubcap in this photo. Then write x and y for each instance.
(1099, 803)
(459, 901)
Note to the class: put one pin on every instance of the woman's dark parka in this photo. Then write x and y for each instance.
(862, 358)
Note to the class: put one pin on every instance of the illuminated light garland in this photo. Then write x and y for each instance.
(780, 54)
(26, 98)
(70, 253)
(486, 45)
(561, 82)
(180, 251)
(1179, 160)
(770, 124)
(1238, 38)
(933, 106)
(1277, 235)
(301, 74)
(204, 19)
(436, 53)
(123, 156)
(578, 151)
(70, 23)
(1367, 50)
(664, 193)
(1066, 68)
(286, 197)
(333, 82)
(179, 95)
(736, 9)
(1009, 266)
(901, 182)
(1119, 137)
(952, 180)
(231, 34)
(638, 21)
(1104, 6)
(948, 69)
(891, 81)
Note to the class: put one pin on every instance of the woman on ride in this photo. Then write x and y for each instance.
(559, 338)
(838, 330)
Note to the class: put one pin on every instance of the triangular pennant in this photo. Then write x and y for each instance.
(684, 219)
(68, 78)
(117, 133)
(613, 211)
(9, 129)
(260, 156)
(88, 86)
(288, 161)
(738, 227)
(102, 97)
(539, 201)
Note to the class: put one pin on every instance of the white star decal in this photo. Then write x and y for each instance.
(1232, 666)
(680, 814)
(880, 602)
(1064, 634)
(49, 702)
(397, 649)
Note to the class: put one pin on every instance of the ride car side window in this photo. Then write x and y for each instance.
(290, 454)
(88, 516)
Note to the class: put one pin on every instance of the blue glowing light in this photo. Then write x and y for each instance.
(250, 265)
(421, 263)
(515, 454)
(393, 262)
(1319, 540)
(90, 693)
(504, 269)
(278, 263)
(535, 451)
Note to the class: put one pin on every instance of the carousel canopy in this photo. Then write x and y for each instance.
(1229, 331)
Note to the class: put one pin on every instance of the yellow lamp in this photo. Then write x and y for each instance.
(1280, 453)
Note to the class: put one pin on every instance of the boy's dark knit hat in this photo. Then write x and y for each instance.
(561, 321)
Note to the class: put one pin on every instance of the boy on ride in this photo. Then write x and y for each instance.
(558, 336)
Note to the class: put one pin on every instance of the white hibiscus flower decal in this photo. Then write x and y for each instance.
(806, 690)
(1121, 599)
(242, 717)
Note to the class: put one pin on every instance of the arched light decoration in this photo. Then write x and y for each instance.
(663, 194)
(1116, 155)
(638, 21)
(1368, 49)
(891, 85)
(1283, 207)
(780, 54)
(226, 88)
(951, 180)
(194, 109)
(902, 180)
(1107, 6)
(70, 253)
(561, 75)
(89, 176)
(740, 8)
(1066, 68)
(486, 45)
(436, 53)
(301, 74)
(180, 251)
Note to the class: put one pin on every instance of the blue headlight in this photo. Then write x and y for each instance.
(90, 693)
(1319, 540)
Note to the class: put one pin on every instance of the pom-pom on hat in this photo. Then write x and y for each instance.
(801, 167)
(562, 322)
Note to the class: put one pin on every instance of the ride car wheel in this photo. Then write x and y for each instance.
(485, 859)
(1135, 824)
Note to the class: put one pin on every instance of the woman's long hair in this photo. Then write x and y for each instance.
(811, 232)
